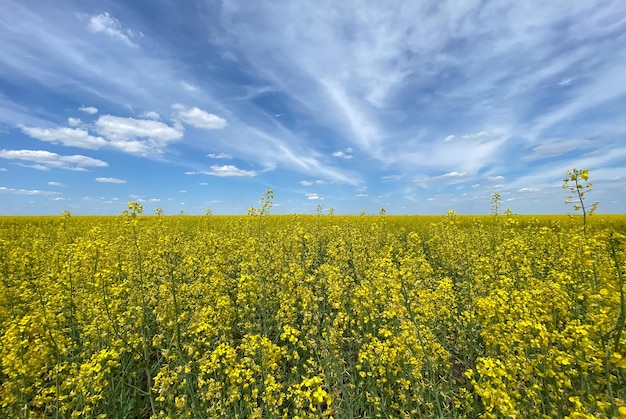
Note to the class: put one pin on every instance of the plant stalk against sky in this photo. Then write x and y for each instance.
(264, 210)
(581, 186)
(496, 203)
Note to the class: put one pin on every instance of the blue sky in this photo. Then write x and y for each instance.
(415, 106)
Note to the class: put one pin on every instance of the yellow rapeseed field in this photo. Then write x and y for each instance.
(298, 316)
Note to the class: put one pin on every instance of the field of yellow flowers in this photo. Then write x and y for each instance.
(141, 316)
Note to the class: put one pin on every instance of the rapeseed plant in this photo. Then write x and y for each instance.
(311, 316)
(581, 186)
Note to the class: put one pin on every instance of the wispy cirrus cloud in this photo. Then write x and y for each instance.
(469, 153)
(356, 69)
(454, 175)
(553, 147)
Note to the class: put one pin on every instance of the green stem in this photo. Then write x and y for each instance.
(619, 324)
(582, 205)
(145, 325)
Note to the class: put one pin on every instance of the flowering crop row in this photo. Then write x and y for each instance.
(312, 316)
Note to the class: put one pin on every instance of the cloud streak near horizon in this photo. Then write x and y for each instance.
(411, 106)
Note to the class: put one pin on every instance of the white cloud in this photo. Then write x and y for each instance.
(2, 169)
(229, 170)
(224, 171)
(101, 200)
(392, 177)
(495, 178)
(188, 87)
(312, 182)
(197, 117)
(151, 115)
(107, 24)
(109, 180)
(219, 156)
(88, 109)
(528, 190)
(361, 195)
(4, 189)
(342, 155)
(448, 138)
(45, 160)
(73, 137)
(125, 134)
(451, 175)
(57, 184)
(73, 122)
(483, 136)
(312, 196)
(136, 136)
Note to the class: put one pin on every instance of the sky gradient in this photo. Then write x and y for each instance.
(417, 107)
